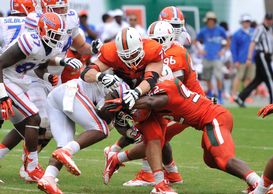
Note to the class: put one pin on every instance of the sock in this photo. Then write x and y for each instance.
(159, 176)
(115, 148)
(3, 150)
(266, 181)
(252, 178)
(73, 147)
(51, 171)
(261, 188)
(209, 93)
(145, 166)
(32, 161)
(171, 167)
(123, 156)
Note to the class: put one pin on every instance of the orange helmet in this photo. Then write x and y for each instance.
(51, 28)
(22, 6)
(56, 6)
(175, 17)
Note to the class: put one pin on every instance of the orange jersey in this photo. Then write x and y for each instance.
(69, 73)
(178, 58)
(108, 55)
(185, 106)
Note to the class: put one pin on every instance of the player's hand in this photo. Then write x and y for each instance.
(95, 46)
(130, 97)
(53, 79)
(6, 108)
(5, 103)
(134, 133)
(113, 105)
(109, 81)
(72, 62)
(266, 110)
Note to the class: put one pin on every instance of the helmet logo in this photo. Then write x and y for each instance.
(49, 22)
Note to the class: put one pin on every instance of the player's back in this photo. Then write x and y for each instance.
(178, 58)
(186, 106)
(11, 28)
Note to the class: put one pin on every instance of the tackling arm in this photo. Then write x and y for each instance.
(81, 46)
(90, 74)
(151, 102)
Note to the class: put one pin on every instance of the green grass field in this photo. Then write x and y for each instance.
(253, 139)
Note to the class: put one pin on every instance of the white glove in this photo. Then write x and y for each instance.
(109, 81)
(72, 62)
(130, 97)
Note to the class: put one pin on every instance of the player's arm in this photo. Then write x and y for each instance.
(93, 72)
(42, 73)
(81, 46)
(152, 73)
(151, 102)
(10, 57)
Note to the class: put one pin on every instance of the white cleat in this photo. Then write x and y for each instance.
(143, 179)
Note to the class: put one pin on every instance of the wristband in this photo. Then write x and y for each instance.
(58, 60)
(99, 76)
(45, 76)
(139, 91)
(3, 92)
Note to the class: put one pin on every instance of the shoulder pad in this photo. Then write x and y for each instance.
(30, 43)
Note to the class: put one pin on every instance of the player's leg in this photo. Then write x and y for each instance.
(207, 75)
(219, 151)
(63, 130)
(96, 129)
(32, 123)
(218, 73)
(266, 180)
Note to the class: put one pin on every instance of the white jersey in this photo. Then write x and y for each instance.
(184, 38)
(31, 45)
(11, 28)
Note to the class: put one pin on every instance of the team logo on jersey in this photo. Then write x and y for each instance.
(69, 31)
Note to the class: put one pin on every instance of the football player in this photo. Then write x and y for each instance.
(28, 52)
(267, 177)
(175, 17)
(173, 100)
(178, 59)
(69, 104)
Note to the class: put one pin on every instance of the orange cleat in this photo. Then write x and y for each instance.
(163, 188)
(173, 177)
(65, 158)
(111, 165)
(48, 185)
(35, 175)
(142, 179)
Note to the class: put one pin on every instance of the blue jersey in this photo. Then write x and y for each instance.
(239, 45)
(212, 39)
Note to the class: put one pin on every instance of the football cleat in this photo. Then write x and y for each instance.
(111, 165)
(142, 179)
(48, 185)
(163, 188)
(36, 174)
(65, 158)
(250, 188)
(173, 177)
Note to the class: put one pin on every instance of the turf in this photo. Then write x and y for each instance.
(252, 137)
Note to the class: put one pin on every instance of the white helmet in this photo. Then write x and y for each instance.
(130, 47)
(162, 32)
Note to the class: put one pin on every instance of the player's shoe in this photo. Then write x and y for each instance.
(163, 188)
(173, 177)
(36, 174)
(240, 102)
(142, 179)
(250, 188)
(111, 165)
(48, 185)
(65, 158)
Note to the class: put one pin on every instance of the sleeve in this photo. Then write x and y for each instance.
(200, 36)
(74, 20)
(104, 55)
(156, 54)
(29, 43)
(31, 21)
(257, 35)
(234, 47)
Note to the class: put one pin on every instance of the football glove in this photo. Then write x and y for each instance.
(72, 62)
(130, 97)
(266, 110)
(109, 81)
(95, 46)
(53, 79)
(5, 103)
